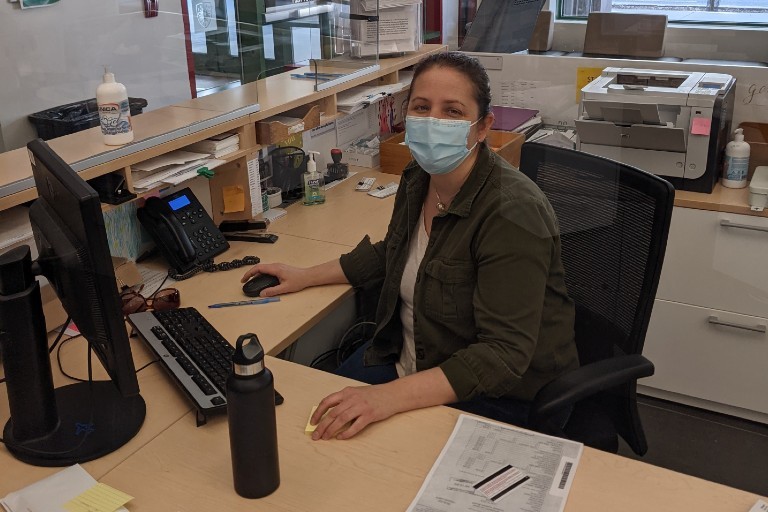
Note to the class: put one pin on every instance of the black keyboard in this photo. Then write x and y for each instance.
(193, 352)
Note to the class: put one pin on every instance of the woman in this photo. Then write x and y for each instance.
(473, 309)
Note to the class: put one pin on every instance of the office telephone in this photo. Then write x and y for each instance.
(182, 230)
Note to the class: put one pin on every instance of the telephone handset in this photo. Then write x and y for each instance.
(182, 229)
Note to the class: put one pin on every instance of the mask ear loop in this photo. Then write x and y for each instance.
(470, 127)
(473, 124)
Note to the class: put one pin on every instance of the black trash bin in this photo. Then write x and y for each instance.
(74, 117)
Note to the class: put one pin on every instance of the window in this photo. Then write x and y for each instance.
(742, 12)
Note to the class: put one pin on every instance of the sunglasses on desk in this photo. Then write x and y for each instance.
(162, 300)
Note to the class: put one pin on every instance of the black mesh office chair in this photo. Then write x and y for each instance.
(614, 220)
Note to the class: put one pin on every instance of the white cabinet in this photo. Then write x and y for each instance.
(707, 336)
(717, 260)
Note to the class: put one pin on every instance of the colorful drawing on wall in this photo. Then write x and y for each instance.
(28, 4)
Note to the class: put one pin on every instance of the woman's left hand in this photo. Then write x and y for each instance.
(353, 407)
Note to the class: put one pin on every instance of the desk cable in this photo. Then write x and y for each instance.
(345, 347)
(210, 266)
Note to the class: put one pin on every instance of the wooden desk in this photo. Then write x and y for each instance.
(188, 468)
(345, 217)
(277, 324)
(165, 405)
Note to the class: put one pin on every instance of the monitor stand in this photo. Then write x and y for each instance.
(94, 420)
(48, 426)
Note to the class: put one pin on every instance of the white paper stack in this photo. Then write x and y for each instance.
(171, 168)
(218, 145)
(51, 493)
(357, 98)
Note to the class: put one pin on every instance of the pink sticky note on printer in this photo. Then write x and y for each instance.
(701, 126)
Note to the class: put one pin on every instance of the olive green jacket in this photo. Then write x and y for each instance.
(490, 305)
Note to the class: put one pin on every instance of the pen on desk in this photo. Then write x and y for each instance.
(263, 300)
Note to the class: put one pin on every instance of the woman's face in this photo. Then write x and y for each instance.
(445, 93)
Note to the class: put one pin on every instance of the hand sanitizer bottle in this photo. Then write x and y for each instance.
(114, 111)
(314, 182)
(736, 163)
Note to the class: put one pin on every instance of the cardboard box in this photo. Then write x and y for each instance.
(395, 156)
(756, 135)
(370, 160)
(278, 128)
(543, 32)
(507, 145)
(625, 34)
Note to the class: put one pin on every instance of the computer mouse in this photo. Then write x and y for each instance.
(253, 287)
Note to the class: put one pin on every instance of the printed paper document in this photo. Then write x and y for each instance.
(489, 467)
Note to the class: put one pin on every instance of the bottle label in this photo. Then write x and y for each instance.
(313, 183)
(736, 168)
(115, 118)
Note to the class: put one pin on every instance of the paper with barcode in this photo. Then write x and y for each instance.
(491, 467)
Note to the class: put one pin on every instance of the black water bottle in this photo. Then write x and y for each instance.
(252, 425)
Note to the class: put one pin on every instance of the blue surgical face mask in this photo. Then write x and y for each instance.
(438, 145)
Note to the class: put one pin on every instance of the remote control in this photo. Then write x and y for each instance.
(383, 191)
(365, 184)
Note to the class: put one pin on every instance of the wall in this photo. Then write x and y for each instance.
(55, 55)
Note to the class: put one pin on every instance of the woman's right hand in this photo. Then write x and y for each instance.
(292, 279)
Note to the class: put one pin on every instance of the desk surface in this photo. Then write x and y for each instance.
(165, 405)
(188, 469)
(278, 324)
(346, 216)
(173, 465)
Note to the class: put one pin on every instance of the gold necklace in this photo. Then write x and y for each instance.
(441, 206)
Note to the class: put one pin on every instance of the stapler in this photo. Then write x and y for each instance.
(234, 226)
(247, 231)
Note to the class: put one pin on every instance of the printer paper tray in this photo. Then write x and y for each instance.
(661, 163)
(637, 136)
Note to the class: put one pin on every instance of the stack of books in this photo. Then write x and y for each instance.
(218, 145)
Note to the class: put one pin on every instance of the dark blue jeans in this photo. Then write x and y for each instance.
(507, 410)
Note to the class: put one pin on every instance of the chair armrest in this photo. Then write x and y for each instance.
(585, 381)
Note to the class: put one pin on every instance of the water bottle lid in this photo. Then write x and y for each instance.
(248, 358)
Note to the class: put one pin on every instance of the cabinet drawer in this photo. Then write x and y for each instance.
(714, 265)
(709, 354)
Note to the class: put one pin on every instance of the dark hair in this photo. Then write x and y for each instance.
(469, 66)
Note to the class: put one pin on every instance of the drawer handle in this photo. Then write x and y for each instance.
(728, 224)
(756, 328)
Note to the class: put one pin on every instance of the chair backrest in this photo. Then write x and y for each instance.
(614, 220)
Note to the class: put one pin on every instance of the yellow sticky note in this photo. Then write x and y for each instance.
(583, 77)
(310, 428)
(99, 498)
(234, 198)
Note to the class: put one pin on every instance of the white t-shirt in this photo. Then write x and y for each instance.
(417, 247)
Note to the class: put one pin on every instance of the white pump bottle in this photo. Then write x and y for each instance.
(114, 111)
(736, 163)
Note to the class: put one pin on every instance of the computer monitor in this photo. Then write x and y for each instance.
(85, 420)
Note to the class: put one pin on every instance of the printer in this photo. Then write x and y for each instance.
(674, 124)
